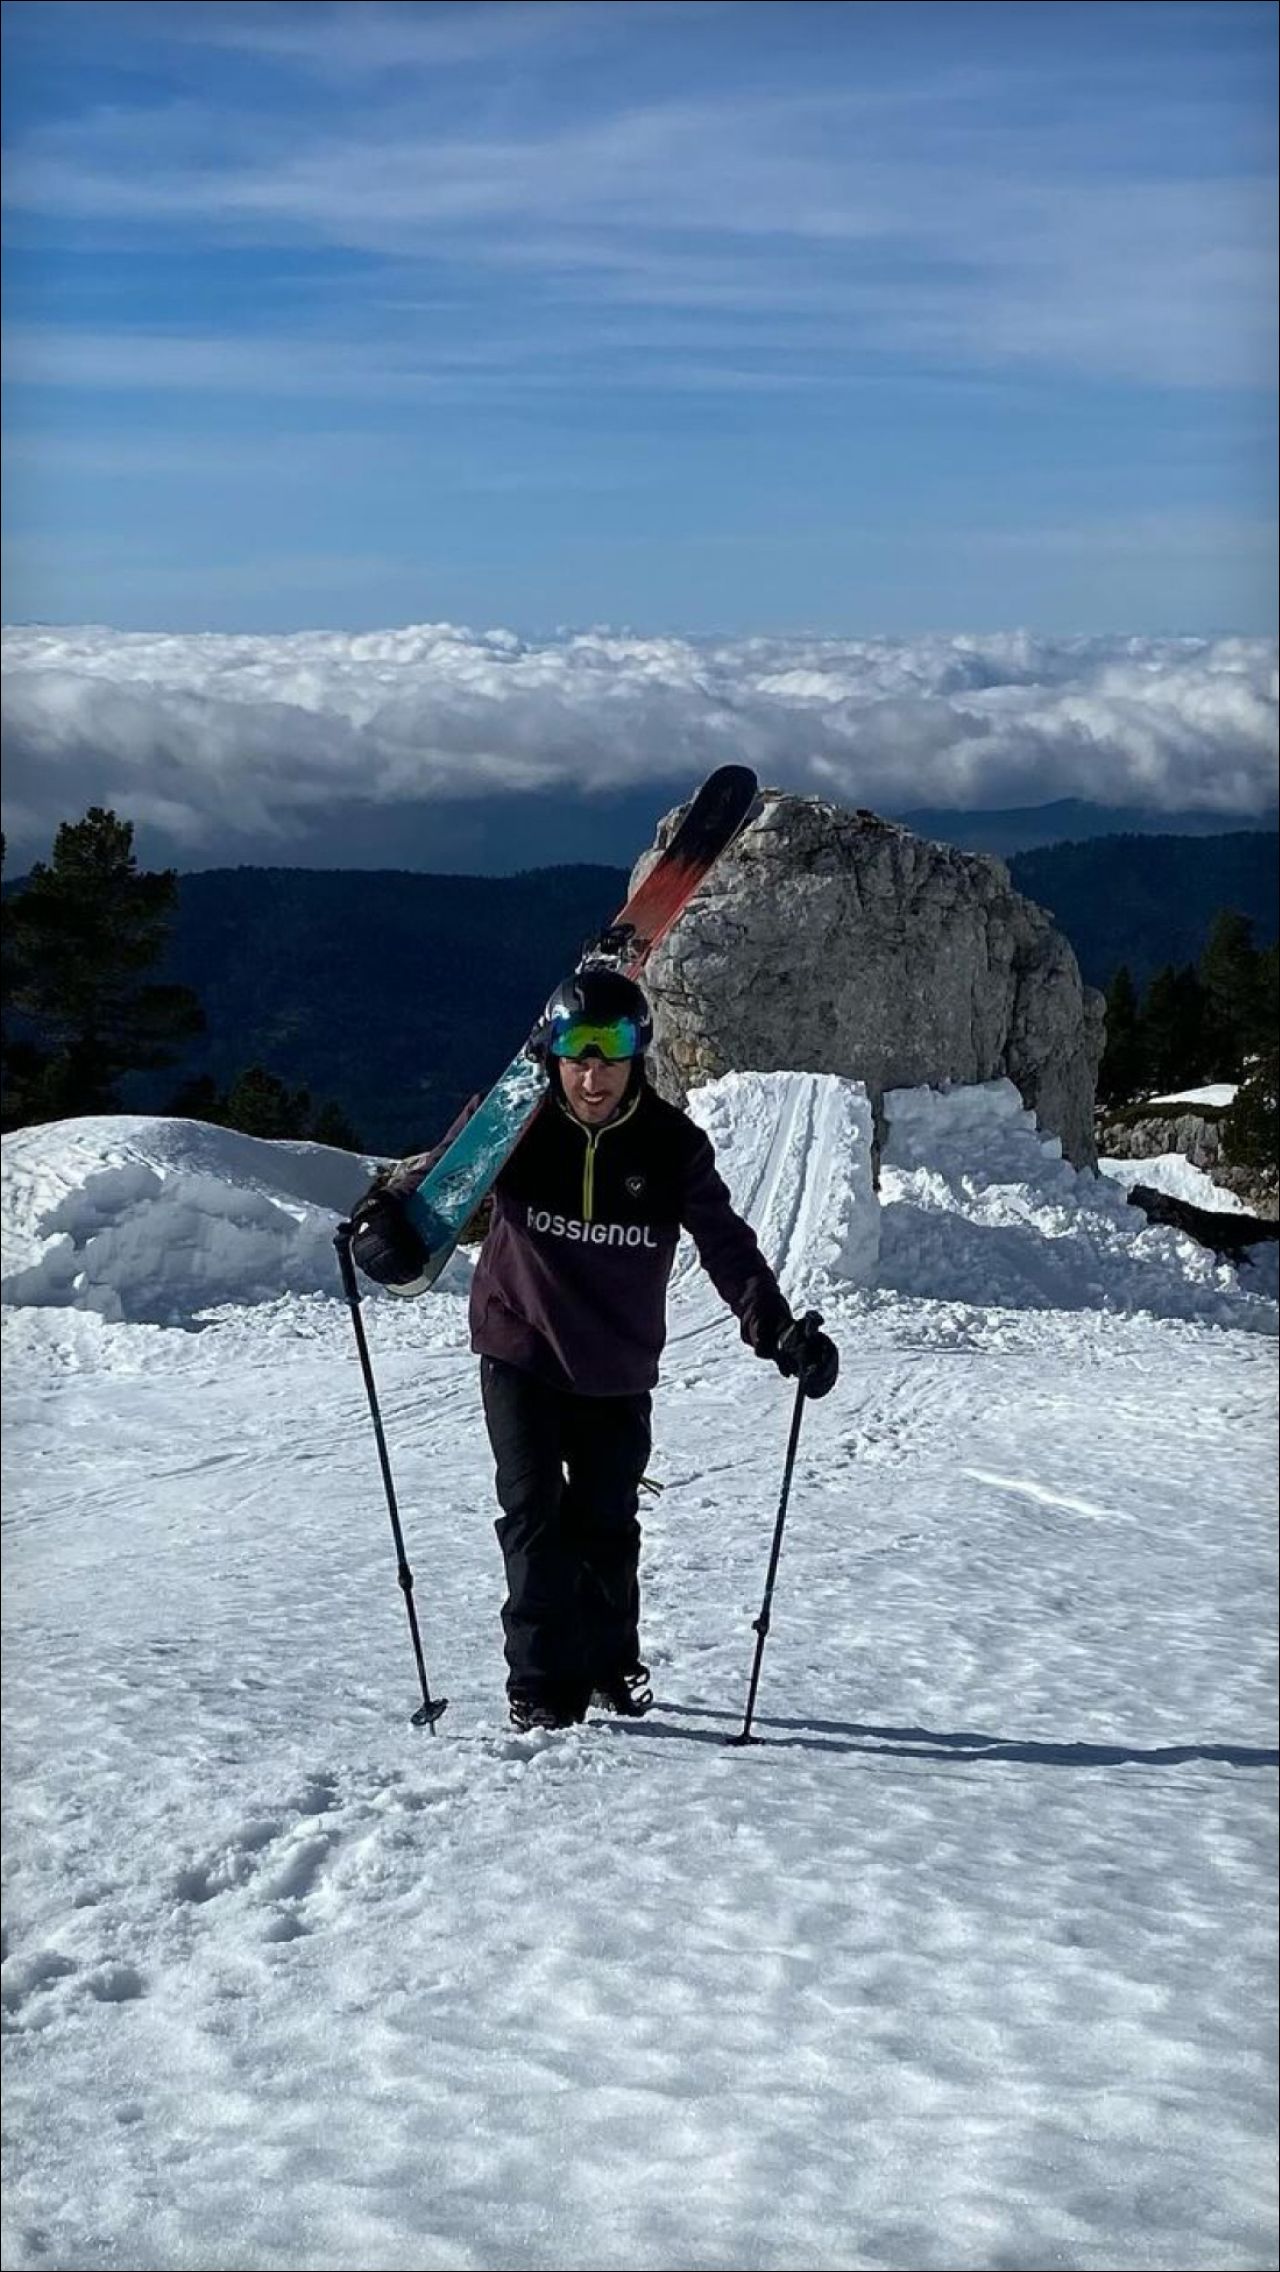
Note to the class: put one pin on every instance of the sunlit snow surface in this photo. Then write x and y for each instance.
(1217, 1092)
(1174, 1173)
(970, 1962)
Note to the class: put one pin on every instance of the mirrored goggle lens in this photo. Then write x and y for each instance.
(578, 1037)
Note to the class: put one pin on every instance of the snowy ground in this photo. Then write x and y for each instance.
(969, 1963)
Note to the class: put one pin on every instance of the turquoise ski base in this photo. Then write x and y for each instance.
(451, 1191)
(473, 1161)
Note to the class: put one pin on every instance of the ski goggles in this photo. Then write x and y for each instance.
(615, 1040)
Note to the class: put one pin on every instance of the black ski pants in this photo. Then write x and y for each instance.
(568, 1483)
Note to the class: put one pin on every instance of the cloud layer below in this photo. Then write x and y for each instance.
(211, 740)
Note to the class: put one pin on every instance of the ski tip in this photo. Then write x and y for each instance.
(732, 784)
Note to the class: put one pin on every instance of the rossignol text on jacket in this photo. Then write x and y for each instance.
(571, 1283)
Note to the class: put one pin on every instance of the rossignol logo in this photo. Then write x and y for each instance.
(590, 1234)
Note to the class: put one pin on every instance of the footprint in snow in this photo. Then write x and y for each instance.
(27, 1981)
(277, 1863)
(116, 1984)
(26, 1977)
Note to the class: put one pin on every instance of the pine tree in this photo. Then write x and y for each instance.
(199, 1099)
(1251, 1129)
(1123, 1070)
(331, 1126)
(82, 933)
(1173, 1031)
(259, 1104)
(1229, 976)
(22, 1061)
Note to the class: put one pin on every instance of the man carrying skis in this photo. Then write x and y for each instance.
(568, 1316)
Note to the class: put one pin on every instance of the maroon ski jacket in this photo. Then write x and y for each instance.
(571, 1284)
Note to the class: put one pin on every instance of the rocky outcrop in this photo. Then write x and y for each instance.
(1225, 1233)
(831, 941)
(1198, 1137)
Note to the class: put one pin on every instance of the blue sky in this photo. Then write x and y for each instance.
(694, 318)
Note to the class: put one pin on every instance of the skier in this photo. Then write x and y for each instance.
(568, 1317)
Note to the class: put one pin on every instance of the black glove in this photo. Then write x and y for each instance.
(764, 1318)
(811, 1357)
(384, 1242)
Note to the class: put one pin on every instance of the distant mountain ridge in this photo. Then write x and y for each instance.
(1069, 820)
(1150, 900)
(398, 994)
(506, 833)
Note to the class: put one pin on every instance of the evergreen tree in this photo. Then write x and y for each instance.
(1122, 1073)
(81, 936)
(199, 1099)
(259, 1104)
(1251, 1129)
(331, 1126)
(1229, 976)
(1173, 1031)
(22, 1061)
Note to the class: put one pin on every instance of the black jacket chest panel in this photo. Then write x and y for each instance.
(629, 1171)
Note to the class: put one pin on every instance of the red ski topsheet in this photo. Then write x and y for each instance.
(713, 820)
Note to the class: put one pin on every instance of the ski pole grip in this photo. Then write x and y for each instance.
(347, 1268)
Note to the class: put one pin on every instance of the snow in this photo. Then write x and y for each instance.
(156, 1221)
(1172, 1172)
(968, 1963)
(796, 1155)
(1175, 1174)
(1217, 1092)
(978, 1206)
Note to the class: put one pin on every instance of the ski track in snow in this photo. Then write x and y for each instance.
(970, 1962)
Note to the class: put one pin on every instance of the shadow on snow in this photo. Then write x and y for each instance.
(963, 1745)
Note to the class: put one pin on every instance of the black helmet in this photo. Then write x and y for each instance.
(596, 1013)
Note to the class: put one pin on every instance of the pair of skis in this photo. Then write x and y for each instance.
(443, 1203)
(441, 1206)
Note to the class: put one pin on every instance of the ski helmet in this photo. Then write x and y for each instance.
(596, 1013)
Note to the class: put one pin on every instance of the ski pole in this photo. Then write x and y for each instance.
(809, 1325)
(430, 1709)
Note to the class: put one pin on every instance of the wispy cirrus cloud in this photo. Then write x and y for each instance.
(366, 40)
(916, 220)
(863, 285)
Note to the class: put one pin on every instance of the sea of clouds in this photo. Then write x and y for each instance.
(209, 735)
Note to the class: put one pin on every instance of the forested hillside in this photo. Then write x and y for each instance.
(1150, 900)
(397, 994)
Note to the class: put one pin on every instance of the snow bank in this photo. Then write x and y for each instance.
(153, 1221)
(977, 1206)
(160, 1222)
(795, 1151)
(1217, 1092)
(1174, 1173)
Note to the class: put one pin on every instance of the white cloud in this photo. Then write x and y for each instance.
(922, 221)
(258, 735)
(358, 38)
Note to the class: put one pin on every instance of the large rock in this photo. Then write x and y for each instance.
(830, 941)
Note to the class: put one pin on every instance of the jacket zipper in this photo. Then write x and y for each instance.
(589, 1177)
(589, 1164)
